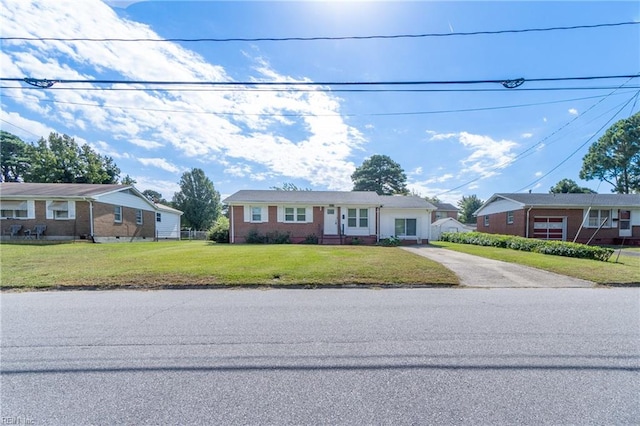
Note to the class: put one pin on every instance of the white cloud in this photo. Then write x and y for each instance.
(416, 172)
(317, 146)
(573, 111)
(487, 155)
(160, 163)
(538, 174)
(527, 135)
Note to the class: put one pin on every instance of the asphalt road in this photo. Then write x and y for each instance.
(405, 356)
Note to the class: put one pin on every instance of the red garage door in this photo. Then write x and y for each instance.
(549, 228)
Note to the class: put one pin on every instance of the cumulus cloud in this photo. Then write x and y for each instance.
(487, 154)
(573, 111)
(527, 135)
(160, 163)
(240, 127)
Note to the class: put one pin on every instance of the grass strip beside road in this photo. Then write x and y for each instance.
(160, 264)
(626, 271)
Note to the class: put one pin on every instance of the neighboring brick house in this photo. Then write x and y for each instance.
(333, 217)
(443, 211)
(67, 211)
(584, 218)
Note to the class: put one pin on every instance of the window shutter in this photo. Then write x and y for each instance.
(31, 209)
(72, 209)
(247, 213)
(280, 214)
(309, 214)
(265, 214)
(49, 211)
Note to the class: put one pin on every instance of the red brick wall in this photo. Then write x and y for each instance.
(498, 225)
(104, 225)
(297, 231)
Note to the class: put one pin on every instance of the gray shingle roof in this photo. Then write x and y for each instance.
(446, 207)
(12, 189)
(574, 200)
(327, 197)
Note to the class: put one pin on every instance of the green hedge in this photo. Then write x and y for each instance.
(558, 248)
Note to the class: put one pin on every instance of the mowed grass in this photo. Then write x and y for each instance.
(159, 264)
(625, 271)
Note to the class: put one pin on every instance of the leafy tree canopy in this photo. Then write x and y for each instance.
(198, 200)
(615, 157)
(468, 205)
(381, 174)
(568, 186)
(154, 196)
(433, 200)
(289, 187)
(13, 157)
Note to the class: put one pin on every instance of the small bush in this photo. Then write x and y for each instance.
(254, 237)
(355, 241)
(278, 238)
(219, 232)
(311, 239)
(390, 242)
(557, 248)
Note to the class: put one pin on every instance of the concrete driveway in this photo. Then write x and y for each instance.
(475, 271)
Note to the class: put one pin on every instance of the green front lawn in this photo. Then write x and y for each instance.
(158, 264)
(625, 271)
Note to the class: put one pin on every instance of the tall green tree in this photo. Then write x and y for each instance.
(198, 200)
(381, 174)
(468, 205)
(14, 157)
(569, 186)
(287, 186)
(154, 196)
(59, 159)
(615, 157)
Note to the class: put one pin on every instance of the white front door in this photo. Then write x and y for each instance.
(624, 221)
(330, 221)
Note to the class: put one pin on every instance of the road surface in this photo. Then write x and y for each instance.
(403, 356)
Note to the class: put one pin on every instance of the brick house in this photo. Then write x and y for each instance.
(584, 218)
(443, 211)
(67, 211)
(333, 217)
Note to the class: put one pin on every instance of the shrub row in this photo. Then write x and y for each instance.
(558, 248)
(254, 237)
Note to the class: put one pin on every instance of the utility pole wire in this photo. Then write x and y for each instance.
(368, 37)
(508, 83)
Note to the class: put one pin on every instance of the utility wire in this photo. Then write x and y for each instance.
(400, 113)
(527, 151)
(577, 149)
(302, 90)
(368, 37)
(506, 82)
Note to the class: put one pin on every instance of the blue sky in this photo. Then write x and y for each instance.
(457, 140)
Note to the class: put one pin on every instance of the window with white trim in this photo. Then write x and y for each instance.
(60, 210)
(358, 218)
(599, 217)
(256, 214)
(510, 217)
(158, 217)
(295, 214)
(139, 217)
(486, 220)
(14, 209)
(406, 227)
(117, 214)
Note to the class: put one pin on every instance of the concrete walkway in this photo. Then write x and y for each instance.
(475, 271)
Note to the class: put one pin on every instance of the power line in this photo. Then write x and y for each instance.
(400, 113)
(320, 38)
(527, 151)
(507, 83)
(302, 90)
(579, 148)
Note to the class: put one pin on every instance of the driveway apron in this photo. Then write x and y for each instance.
(475, 271)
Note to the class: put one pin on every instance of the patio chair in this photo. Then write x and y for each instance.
(39, 230)
(13, 230)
